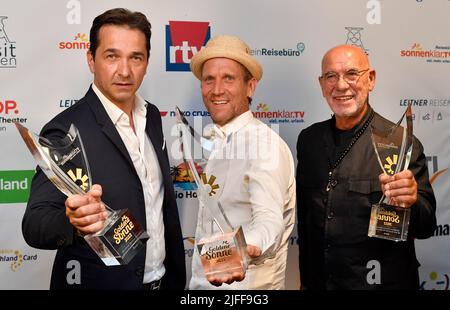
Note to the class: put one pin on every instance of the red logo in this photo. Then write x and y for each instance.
(183, 40)
(8, 107)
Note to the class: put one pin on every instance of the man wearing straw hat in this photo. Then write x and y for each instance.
(257, 188)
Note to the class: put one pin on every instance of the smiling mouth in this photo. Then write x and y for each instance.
(343, 98)
(219, 102)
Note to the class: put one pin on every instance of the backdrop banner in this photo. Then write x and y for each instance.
(43, 70)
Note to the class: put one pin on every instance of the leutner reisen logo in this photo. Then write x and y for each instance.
(7, 47)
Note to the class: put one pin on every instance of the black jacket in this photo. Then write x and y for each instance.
(46, 226)
(335, 250)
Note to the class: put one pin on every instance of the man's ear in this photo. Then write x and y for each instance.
(372, 79)
(251, 87)
(322, 86)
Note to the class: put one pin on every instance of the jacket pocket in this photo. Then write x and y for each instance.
(370, 188)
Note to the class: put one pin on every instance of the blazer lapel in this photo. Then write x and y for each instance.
(107, 125)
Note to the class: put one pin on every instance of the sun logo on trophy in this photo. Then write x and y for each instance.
(209, 184)
(79, 178)
(391, 162)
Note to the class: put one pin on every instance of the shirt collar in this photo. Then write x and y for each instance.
(234, 125)
(114, 112)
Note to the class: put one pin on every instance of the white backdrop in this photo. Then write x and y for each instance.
(43, 70)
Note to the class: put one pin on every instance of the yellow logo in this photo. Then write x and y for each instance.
(417, 47)
(79, 178)
(390, 163)
(210, 184)
(16, 259)
(124, 230)
(264, 107)
(82, 37)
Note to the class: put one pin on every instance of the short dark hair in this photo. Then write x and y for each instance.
(119, 17)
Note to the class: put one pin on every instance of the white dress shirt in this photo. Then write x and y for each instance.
(145, 161)
(254, 169)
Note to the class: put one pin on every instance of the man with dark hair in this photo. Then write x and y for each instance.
(120, 17)
(339, 178)
(124, 144)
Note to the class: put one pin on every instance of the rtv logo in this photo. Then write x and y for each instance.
(183, 40)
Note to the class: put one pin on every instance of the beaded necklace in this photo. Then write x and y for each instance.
(333, 183)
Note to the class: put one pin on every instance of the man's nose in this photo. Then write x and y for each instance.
(124, 68)
(341, 83)
(218, 88)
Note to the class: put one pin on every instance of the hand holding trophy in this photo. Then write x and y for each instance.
(65, 164)
(393, 149)
(222, 248)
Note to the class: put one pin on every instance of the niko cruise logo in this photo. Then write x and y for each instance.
(183, 40)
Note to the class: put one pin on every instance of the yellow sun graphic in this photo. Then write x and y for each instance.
(16, 264)
(264, 107)
(79, 178)
(390, 163)
(83, 37)
(210, 183)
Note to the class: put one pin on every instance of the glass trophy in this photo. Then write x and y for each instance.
(393, 148)
(65, 164)
(222, 248)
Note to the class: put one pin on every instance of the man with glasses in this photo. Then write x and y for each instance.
(338, 179)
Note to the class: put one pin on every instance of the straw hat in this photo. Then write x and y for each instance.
(225, 46)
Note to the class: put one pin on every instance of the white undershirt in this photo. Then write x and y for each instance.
(145, 161)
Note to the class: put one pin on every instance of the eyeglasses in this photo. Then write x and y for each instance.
(351, 76)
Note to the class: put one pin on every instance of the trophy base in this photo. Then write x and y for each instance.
(121, 238)
(389, 222)
(223, 254)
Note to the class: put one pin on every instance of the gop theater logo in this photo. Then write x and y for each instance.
(183, 40)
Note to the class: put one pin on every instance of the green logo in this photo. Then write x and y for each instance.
(15, 185)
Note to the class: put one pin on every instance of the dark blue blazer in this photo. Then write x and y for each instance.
(45, 225)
